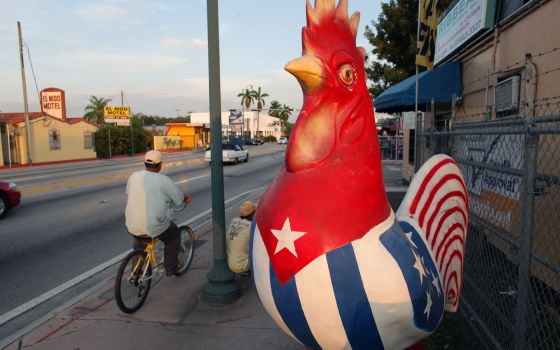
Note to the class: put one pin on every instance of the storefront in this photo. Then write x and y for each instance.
(436, 90)
(53, 137)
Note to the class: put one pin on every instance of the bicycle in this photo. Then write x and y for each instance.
(139, 267)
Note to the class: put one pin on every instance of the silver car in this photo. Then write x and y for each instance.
(230, 154)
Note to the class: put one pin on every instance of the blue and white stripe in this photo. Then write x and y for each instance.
(353, 297)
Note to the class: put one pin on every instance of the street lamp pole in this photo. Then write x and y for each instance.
(221, 287)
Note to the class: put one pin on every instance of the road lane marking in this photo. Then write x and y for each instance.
(74, 281)
(51, 293)
(192, 178)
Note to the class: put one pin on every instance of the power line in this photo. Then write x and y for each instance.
(32, 70)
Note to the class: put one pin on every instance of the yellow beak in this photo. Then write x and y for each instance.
(308, 70)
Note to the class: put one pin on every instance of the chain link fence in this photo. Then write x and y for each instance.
(511, 164)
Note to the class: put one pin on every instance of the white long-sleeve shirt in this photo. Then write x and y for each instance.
(149, 197)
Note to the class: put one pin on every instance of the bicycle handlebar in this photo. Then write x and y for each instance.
(181, 208)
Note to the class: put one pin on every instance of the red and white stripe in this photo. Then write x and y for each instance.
(437, 205)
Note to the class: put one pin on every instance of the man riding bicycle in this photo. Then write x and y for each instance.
(149, 196)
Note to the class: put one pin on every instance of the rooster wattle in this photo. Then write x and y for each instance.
(333, 265)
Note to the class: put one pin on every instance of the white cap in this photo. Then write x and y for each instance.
(152, 157)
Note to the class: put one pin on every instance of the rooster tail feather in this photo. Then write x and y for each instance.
(436, 205)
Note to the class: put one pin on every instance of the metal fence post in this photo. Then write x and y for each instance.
(527, 218)
(451, 139)
(432, 128)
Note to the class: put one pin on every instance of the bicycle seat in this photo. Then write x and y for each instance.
(144, 238)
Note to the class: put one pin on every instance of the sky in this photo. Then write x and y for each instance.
(155, 51)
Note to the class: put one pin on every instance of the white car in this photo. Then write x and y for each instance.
(282, 140)
(230, 154)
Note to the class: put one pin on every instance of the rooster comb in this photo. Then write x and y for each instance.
(327, 9)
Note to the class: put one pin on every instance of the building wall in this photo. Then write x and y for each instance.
(266, 123)
(510, 45)
(501, 56)
(189, 136)
(160, 142)
(71, 141)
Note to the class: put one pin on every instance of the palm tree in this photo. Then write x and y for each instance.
(246, 98)
(259, 96)
(95, 109)
(282, 112)
(275, 109)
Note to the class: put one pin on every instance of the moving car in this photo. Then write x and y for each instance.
(9, 197)
(254, 142)
(282, 140)
(387, 127)
(230, 154)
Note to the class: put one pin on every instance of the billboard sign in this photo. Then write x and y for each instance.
(235, 118)
(118, 115)
(53, 102)
(466, 19)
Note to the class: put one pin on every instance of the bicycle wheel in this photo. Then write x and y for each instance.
(131, 288)
(186, 250)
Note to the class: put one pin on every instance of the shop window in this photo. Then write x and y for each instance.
(88, 140)
(54, 139)
(508, 7)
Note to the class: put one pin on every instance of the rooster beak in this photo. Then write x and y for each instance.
(308, 70)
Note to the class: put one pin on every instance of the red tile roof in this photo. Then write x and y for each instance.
(16, 118)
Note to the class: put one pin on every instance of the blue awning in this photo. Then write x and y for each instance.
(440, 84)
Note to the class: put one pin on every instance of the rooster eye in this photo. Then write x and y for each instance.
(347, 75)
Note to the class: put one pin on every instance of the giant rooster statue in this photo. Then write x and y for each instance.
(333, 265)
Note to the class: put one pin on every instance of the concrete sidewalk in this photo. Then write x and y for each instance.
(173, 316)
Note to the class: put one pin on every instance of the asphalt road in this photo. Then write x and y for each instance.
(76, 221)
(72, 216)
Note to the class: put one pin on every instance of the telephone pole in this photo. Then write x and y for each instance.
(25, 106)
(130, 121)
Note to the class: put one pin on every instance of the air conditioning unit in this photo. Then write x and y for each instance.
(506, 95)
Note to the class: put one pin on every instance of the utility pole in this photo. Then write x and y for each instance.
(25, 106)
(130, 121)
(221, 287)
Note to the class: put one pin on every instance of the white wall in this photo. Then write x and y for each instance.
(265, 122)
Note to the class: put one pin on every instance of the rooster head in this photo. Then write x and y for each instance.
(337, 107)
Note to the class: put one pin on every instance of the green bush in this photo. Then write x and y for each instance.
(120, 140)
(270, 139)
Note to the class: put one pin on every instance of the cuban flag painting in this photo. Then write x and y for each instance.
(387, 289)
(346, 299)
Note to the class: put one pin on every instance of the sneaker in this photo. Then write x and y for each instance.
(172, 271)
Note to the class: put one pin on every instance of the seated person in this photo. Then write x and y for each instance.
(237, 238)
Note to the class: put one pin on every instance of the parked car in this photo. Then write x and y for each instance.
(254, 142)
(387, 127)
(282, 140)
(230, 154)
(9, 197)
